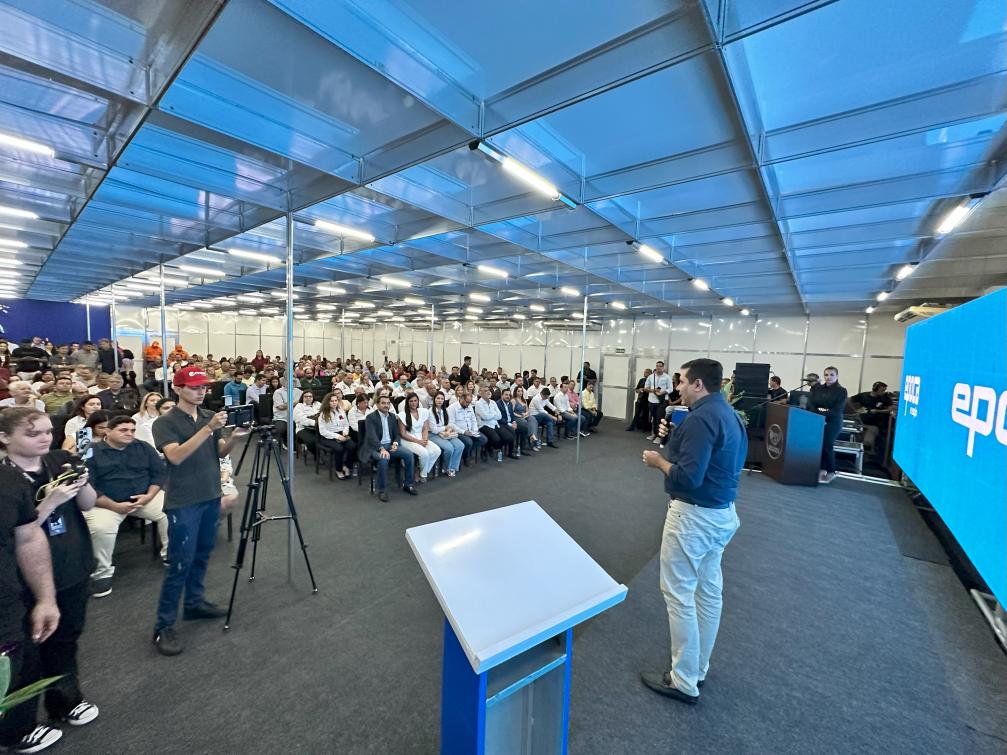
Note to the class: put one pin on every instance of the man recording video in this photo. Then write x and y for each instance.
(191, 439)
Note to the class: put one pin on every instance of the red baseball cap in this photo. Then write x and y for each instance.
(192, 376)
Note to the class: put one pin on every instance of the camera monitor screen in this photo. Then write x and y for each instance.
(951, 432)
(240, 416)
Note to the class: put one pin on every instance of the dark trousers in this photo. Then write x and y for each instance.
(19, 721)
(494, 439)
(308, 437)
(656, 415)
(343, 452)
(399, 453)
(58, 654)
(832, 429)
(470, 441)
(507, 437)
(192, 533)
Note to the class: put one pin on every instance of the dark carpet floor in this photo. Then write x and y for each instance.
(832, 640)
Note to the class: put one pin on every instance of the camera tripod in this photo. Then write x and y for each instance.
(254, 515)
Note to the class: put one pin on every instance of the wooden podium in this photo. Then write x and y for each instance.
(792, 450)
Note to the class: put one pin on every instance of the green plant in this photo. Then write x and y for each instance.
(24, 694)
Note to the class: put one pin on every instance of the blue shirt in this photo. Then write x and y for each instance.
(235, 391)
(707, 451)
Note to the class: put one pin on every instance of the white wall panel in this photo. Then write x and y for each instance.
(533, 358)
(487, 357)
(728, 359)
(878, 368)
(836, 335)
(733, 334)
(534, 334)
(652, 338)
(314, 346)
(247, 345)
(510, 358)
(786, 366)
(780, 334)
(271, 346)
(885, 337)
(272, 326)
(617, 334)
(247, 325)
(690, 334)
(193, 327)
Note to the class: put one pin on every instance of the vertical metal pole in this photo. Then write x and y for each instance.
(863, 354)
(164, 339)
(290, 383)
(342, 337)
(583, 354)
(87, 314)
(430, 362)
(115, 331)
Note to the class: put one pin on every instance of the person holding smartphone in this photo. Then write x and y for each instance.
(58, 485)
(191, 439)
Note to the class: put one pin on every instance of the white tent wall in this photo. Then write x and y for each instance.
(864, 349)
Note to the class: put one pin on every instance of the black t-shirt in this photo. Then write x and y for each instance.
(869, 401)
(777, 393)
(66, 528)
(829, 400)
(106, 359)
(16, 510)
(197, 479)
(30, 358)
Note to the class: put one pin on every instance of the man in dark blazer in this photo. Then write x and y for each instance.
(509, 421)
(381, 444)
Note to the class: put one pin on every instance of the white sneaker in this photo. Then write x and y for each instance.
(40, 738)
(84, 713)
(650, 437)
(656, 441)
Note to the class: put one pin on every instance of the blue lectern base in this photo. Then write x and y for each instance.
(519, 706)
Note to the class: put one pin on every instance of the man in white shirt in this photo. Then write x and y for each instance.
(256, 389)
(281, 409)
(426, 395)
(657, 387)
(462, 418)
(534, 389)
(562, 403)
(489, 416)
(402, 387)
(542, 409)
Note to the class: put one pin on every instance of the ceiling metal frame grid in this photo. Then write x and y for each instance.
(792, 155)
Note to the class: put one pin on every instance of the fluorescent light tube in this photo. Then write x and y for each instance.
(332, 290)
(519, 316)
(904, 272)
(257, 256)
(954, 218)
(728, 301)
(745, 313)
(14, 212)
(490, 270)
(882, 296)
(343, 230)
(13, 244)
(391, 280)
(650, 253)
(701, 284)
(480, 297)
(869, 310)
(529, 177)
(474, 310)
(415, 301)
(198, 270)
(359, 304)
(280, 294)
(618, 305)
(9, 140)
(569, 291)
(536, 308)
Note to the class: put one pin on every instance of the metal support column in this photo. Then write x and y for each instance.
(115, 331)
(290, 383)
(583, 355)
(164, 338)
(87, 314)
(430, 349)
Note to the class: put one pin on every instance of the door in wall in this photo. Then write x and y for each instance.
(617, 385)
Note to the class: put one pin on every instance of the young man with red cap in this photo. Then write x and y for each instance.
(190, 437)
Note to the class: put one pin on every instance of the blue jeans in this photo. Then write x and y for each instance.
(452, 448)
(544, 420)
(398, 453)
(472, 440)
(192, 533)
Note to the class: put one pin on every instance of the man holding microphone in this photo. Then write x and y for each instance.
(703, 464)
(191, 440)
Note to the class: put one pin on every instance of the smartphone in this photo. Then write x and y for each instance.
(83, 443)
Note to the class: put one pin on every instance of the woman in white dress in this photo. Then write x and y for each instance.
(415, 431)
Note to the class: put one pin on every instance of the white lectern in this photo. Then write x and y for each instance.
(512, 585)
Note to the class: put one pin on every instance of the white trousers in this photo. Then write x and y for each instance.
(428, 455)
(104, 527)
(692, 583)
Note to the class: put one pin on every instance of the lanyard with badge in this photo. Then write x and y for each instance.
(56, 522)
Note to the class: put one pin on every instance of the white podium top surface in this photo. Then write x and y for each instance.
(510, 578)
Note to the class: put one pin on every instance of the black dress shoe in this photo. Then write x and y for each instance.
(383, 496)
(166, 642)
(660, 684)
(409, 489)
(513, 456)
(204, 611)
(552, 445)
(630, 429)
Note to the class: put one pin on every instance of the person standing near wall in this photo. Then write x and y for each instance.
(701, 472)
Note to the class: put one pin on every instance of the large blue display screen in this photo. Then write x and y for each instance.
(951, 436)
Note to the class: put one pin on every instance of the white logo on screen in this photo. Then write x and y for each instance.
(978, 409)
(911, 395)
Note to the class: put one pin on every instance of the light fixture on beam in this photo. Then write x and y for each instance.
(414, 300)
(328, 307)
(18, 142)
(523, 173)
(14, 212)
(474, 310)
(480, 297)
(519, 316)
(4, 262)
(882, 296)
(250, 297)
(344, 230)
(360, 304)
(336, 290)
(617, 305)
(745, 312)
(490, 270)
(208, 272)
(957, 215)
(536, 308)
(869, 310)
(281, 294)
(257, 256)
(391, 280)
(201, 305)
(650, 253)
(701, 284)
(904, 272)
(728, 301)
(569, 291)
(471, 317)
(12, 244)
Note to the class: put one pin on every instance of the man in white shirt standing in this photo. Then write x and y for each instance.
(462, 418)
(657, 387)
